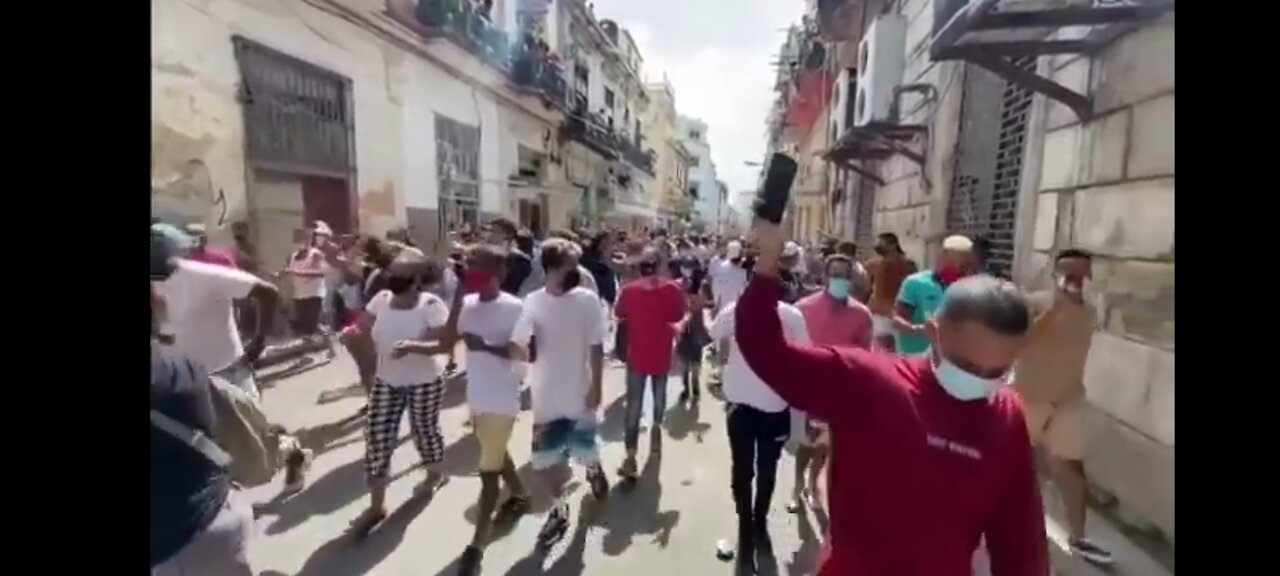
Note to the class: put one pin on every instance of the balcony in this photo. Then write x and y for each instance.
(636, 156)
(589, 129)
(531, 65)
(536, 70)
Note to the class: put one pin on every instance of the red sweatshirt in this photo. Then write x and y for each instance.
(917, 477)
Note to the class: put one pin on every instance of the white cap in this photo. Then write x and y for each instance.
(734, 249)
(790, 250)
(957, 243)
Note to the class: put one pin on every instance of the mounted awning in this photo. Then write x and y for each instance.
(993, 33)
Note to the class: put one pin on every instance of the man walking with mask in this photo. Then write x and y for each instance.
(1050, 379)
(921, 294)
(929, 454)
(566, 377)
(486, 322)
(833, 318)
(653, 309)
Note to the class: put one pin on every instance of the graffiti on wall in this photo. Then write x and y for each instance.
(190, 197)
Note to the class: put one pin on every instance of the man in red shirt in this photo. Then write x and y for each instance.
(834, 318)
(653, 309)
(929, 453)
(202, 252)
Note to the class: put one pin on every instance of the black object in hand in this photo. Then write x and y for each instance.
(771, 201)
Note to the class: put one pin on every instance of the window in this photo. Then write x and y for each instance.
(697, 161)
(608, 98)
(695, 135)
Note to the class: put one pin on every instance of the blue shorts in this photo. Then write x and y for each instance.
(557, 441)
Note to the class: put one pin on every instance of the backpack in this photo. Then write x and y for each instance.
(244, 445)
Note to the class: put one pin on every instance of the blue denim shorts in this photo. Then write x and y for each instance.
(557, 441)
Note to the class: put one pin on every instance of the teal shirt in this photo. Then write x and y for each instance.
(923, 293)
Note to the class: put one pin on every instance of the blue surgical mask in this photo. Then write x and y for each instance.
(962, 385)
(838, 288)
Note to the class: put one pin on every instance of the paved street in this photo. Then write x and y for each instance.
(668, 523)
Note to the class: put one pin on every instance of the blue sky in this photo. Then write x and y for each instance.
(717, 55)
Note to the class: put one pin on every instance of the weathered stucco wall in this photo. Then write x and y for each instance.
(1107, 185)
(197, 125)
(913, 201)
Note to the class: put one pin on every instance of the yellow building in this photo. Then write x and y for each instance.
(669, 186)
(810, 218)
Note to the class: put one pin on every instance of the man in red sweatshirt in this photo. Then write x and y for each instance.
(929, 454)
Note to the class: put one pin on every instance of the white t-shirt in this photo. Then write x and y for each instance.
(493, 383)
(566, 326)
(728, 281)
(391, 325)
(198, 299)
(741, 385)
(588, 280)
(308, 286)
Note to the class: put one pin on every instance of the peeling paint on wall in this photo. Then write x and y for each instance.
(190, 197)
(377, 203)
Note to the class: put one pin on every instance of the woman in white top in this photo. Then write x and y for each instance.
(406, 326)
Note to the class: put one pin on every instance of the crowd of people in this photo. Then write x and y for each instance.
(891, 381)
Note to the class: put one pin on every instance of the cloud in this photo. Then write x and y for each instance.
(717, 55)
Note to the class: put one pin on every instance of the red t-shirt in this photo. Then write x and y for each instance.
(916, 476)
(215, 256)
(651, 307)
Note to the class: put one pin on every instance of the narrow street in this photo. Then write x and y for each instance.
(668, 523)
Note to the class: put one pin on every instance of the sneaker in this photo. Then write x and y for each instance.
(1091, 552)
(599, 482)
(469, 562)
(295, 470)
(629, 469)
(555, 527)
(655, 441)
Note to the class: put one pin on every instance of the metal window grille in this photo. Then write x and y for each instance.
(984, 194)
(458, 172)
(297, 115)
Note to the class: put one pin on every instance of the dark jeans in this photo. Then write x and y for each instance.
(635, 404)
(756, 439)
(306, 316)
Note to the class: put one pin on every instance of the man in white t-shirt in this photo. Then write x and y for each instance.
(485, 323)
(200, 323)
(759, 424)
(728, 276)
(201, 317)
(566, 380)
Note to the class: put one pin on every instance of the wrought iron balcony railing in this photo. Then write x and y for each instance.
(466, 26)
(635, 155)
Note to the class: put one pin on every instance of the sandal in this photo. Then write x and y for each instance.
(434, 481)
(366, 522)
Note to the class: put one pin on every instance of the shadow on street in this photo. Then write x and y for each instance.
(634, 510)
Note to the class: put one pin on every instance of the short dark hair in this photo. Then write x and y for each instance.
(524, 241)
(888, 238)
(834, 258)
(489, 256)
(996, 304)
(656, 232)
(555, 252)
(505, 225)
(847, 247)
(1074, 253)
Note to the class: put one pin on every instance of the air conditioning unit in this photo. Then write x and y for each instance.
(881, 58)
(844, 92)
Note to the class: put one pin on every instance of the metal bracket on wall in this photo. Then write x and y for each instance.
(980, 33)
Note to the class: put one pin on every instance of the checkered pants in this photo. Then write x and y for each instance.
(386, 406)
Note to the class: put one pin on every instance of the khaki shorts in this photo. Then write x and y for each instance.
(493, 431)
(1058, 427)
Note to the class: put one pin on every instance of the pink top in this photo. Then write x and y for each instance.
(831, 323)
(215, 256)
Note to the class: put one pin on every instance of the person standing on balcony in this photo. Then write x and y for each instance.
(1050, 380)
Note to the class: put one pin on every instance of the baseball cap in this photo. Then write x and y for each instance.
(957, 243)
(167, 243)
